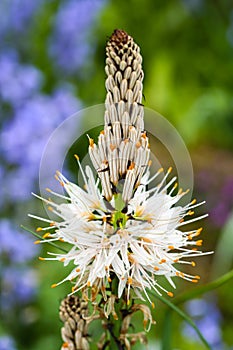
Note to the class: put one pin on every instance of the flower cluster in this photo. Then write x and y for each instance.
(122, 230)
(68, 45)
(208, 319)
(18, 282)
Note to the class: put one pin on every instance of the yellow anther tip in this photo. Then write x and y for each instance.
(39, 229)
(130, 280)
(91, 142)
(76, 156)
(199, 243)
(160, 170)
(37, 242)
(54, 285)
(197, 277)
(47, 234)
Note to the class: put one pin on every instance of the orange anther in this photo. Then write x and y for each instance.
(162, 261)
(47, 234)
(132, 165)
(112, 147)
(91, 142)
(130, 280)
(169, 170)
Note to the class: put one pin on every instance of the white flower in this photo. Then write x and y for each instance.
(136, 245)
(117, 228)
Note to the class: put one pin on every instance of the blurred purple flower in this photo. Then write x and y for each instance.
(7, 343)
(25, 136)
(19, 183)
(204, 179)
(208, 319)
(68, 43)
(17, 82)
(19, 285)
(219, 200)
(2, 177)
(221, 211)
(16, 15)
(17, 246)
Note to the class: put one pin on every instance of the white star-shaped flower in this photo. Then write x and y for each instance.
(135, 243)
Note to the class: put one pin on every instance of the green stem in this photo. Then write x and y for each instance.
(193, 293)
(167, 330)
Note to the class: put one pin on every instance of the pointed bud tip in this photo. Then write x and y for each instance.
(119, 37)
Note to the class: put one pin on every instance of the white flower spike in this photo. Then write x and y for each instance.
(117, 228)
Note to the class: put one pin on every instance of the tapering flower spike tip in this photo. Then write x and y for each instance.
(122, 153)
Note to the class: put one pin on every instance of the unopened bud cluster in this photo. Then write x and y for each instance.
(74, 332)
(123, 148)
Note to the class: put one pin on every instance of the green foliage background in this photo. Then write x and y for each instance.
(188, 63)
